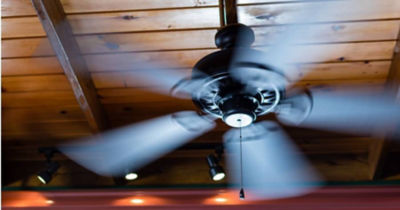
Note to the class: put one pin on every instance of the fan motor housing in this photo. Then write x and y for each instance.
(223, 95)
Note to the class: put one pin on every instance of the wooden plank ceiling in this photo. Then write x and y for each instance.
(39, 107)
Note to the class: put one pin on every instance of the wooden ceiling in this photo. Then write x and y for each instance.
(39, 107)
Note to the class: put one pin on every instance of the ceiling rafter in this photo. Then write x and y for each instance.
(59, 33)
(380, 147)
(228, 12)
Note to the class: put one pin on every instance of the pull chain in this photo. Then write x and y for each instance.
(241, 192)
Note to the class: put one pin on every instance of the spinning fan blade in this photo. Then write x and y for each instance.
(132, 147)
(144, 70)
(272, 167)
(291, 42)
(349, 111)
(139, 64)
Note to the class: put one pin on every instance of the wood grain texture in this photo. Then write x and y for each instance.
(357, 70)
(39, 108)
(30, 66)
(49, 114)
(51, 14)
(12, 8)
(50, 130)
(145, 21)
(115, 22)
(21, 27)
(381, 147)
(35, 83)
(228, 12)
(269, 14)
(77, 6)
(126, 43)
(38, 99)
(135, 95)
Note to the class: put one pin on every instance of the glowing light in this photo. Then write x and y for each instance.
(219, 176)
(137, 201)
(131, 176)
(49, 201)
(220, 200)
(23, 199)
(41, 179)
(140, 200)
(238, 120)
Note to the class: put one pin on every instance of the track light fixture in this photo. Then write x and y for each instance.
(46, 175)
(216, 171)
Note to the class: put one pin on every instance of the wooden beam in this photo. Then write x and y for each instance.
(380, 147)
(228, 12)
(59, 33)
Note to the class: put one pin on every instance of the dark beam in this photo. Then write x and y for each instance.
(59, 33)
(379, 149)
(228, 12)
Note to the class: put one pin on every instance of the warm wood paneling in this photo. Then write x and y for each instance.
(145, 21)
(39, 106)
(30, 66)
(67, 51)
(335, 71)
(48, 130)
(186, 59)
(17, 8)
(25, 47)
(345, 51)
(78, 6)
(37, 114)
(115, 43)
(35, 83)
(125, 43)
(381, 147)
(38, 99)
(288, 13)
(21, 27)
(24, 7)
(338, 71)
(308, 73)
(337, 32)
(136, 95)
(165, 20)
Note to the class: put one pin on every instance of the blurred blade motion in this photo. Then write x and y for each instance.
(117, 61)
(272, 167)
(132, 147)
(352, 111)
(292, 37)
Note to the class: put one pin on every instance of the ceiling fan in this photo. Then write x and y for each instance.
(238, 84)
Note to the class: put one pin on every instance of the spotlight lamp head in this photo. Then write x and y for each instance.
(45, 176)
(216, 171)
